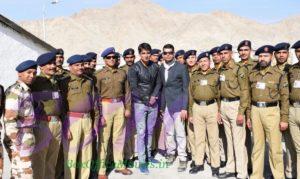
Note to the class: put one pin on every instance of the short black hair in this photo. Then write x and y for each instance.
(144, 46)
(169, 46)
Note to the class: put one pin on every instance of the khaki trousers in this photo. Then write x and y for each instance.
(294, 125)
(114, 128)
(237, 158)
(265, 126)
(48, 139)
(78, 150)
(206, 125)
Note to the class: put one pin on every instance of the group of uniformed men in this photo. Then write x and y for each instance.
(70, 123)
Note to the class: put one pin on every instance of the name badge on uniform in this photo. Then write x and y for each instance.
(260, 85)
(203, 82)
(222, 77)
(55, 95)
(297, 84)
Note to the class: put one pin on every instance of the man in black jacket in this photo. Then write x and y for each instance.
(174, 79)
(145, 89)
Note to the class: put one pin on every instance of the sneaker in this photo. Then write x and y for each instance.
(153, 160)
(182, 166)
(196, 169)
(143, 168)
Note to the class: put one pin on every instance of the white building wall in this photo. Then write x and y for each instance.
(15, 48)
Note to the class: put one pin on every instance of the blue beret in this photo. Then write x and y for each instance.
(265, 49)
(75, 59)
(92, 55)
(28, 64)
(59, 51)
(108, 51)
(189, 53)
(225, 47)
(45, 58)
(214, 50)
(129, 51)
(179, 53)
(155, 51)
(244, 43)
(282, 46)
(202, 55)
(296, 45)
(86, 58)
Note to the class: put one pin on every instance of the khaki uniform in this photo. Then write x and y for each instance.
(19, 121)
(189, 125)
(218, 67)
(79, 102)
(130, 136)
(222, 136)
(47, 97)
(115, 94)
(249, 64)
(234, 102)
(294, 116)
(290, 155)
(60, 74)
(204, 115)
(125, 68)
(90, 74)
(268, 87)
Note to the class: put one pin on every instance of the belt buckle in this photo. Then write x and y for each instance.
(114, 100)
(202, 103)
(296, 104)
(53, 119)
(262, 104)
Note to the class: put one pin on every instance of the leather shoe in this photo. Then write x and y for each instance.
(102, 177)
(196, 169)
(124, 171)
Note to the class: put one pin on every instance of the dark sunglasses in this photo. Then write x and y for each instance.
(110, 57)
(168, 53)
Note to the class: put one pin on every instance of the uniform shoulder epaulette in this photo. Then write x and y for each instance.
(275, 69)
(122, 67)
(98, 71)
(63, 78)
(87, 77)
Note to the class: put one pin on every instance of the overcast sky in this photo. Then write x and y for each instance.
(265, 11)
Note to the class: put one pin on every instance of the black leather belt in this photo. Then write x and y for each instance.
(230, 99)
(205, 103)
(296, 104)
(264, 104)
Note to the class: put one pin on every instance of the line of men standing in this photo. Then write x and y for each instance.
(70, 123)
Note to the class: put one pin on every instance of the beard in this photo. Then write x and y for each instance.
(264, 64)
(129, 63)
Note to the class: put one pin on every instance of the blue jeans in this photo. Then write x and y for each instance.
(145, 119)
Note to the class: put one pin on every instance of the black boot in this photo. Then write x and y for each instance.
(192, 164)
(196, 169)
(215, 172)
